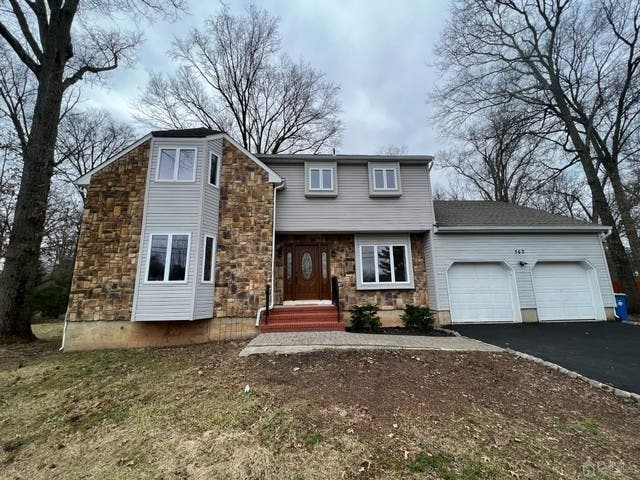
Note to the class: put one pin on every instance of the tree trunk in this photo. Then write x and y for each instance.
(23, 254)
(623, 263)
(626, 218)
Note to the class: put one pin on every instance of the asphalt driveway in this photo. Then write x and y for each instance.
(605, 351)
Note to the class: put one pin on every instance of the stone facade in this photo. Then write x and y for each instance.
(107, 257)
(243, 257)
(343, 266)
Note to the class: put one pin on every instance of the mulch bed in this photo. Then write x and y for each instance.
(408, 331)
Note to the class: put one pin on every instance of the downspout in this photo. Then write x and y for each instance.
(273, 252)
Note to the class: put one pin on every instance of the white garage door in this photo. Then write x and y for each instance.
(563, 291)
(480, 292)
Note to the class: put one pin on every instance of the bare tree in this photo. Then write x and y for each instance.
(502, 158)
(393, 149)
(87, 139)
(59, 42)
(233, 77)
(574, 62)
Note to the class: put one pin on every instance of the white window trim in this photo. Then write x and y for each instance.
(217, 184)
(320, 192)
(174, 179)
(384, 171)
(322, 188)
(167, 260)
(213, 259)
(385, 191)
(393, 264)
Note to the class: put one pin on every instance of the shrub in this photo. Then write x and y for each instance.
(417, 317)
(365, 318)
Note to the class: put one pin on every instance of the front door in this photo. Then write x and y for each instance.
(306, 272)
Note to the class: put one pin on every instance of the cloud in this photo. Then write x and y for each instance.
(375, 50)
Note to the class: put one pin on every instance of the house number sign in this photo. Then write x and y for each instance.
(518, 251)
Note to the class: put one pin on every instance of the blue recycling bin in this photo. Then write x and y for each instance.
(621, 306)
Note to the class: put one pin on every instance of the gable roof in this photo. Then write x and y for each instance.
(469, 215)
(181, 133)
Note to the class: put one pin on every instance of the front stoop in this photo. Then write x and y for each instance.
(308, 318)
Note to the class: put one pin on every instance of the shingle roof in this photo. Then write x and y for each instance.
(186, 133)
(484, 213)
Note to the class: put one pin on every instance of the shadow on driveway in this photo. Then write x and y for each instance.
(605, 351)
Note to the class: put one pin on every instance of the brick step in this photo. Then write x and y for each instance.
(303, 327)
(303, 308)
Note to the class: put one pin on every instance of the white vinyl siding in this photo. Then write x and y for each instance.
(521, 252)
(353, 209)
(379, 264)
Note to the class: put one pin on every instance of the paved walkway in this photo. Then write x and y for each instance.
(297, 342)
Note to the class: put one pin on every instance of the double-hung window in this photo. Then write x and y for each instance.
(383, 264)
(209, 263)
(176, 165)
(168, 257)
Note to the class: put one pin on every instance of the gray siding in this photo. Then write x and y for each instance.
(210, 212)
(170, 207)
(353, 210)
(430, 270)
(449, 248)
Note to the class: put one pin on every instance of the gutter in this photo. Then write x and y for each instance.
(524, 228)
(273, 252)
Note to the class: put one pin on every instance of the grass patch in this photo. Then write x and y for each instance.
(183, 413)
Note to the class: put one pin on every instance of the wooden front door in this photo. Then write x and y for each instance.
(306, 272)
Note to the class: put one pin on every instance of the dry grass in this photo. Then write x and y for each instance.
(182, 413)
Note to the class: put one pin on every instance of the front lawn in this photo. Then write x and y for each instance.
(179, 413)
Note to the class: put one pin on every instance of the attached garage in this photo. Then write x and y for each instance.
(565, 291)
(491, 262)
(482, 292)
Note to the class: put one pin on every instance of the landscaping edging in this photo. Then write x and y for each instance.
(594, 383)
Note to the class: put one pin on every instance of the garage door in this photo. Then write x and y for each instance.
(563, 291)
(480, 292)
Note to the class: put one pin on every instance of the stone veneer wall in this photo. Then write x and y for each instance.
(343, 265)
(107, 257)
(243, 255)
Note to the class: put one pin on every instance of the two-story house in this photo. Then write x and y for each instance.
(187, 237)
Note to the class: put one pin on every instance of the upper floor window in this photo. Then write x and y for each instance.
(168, 257)
(177, 165)
(320, 179)
(384, 179)
(214, 166)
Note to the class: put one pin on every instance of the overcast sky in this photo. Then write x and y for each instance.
(378, 52)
